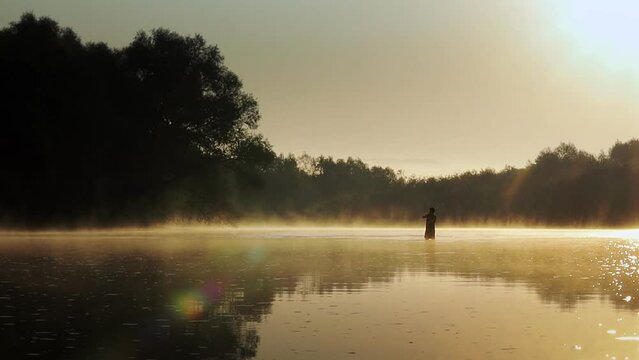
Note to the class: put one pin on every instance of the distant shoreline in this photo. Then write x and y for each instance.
(299, 224)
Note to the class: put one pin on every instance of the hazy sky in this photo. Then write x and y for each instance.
(430, 87)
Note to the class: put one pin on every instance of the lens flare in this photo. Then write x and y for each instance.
(191, 304)
(213, 290)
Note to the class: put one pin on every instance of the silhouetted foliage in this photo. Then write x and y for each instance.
(157, 129)
(563, 186)
(161, 129)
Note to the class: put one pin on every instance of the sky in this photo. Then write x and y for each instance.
(427, 87)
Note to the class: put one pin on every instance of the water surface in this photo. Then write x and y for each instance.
(308, 293)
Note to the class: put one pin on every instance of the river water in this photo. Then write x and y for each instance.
(320, 293)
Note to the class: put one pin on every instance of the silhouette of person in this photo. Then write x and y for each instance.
(430, 224)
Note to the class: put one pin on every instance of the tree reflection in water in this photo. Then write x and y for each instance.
(201, 296)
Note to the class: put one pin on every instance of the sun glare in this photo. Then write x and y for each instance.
(605, 30)
(626, 234)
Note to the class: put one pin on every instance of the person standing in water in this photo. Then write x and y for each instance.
(430, 224)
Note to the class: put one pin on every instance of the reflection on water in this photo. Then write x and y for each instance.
(313, 293)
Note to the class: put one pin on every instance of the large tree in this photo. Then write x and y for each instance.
(88, 133)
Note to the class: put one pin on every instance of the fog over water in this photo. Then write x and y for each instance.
(320, 293)
(365, 113)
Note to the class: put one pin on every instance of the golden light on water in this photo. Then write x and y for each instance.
(321, 293)
(425, 87)
(625, 234)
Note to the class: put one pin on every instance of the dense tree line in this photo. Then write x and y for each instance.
(95, 135)
(562, 186)
(161, 129)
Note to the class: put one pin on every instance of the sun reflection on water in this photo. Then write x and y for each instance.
(238, 296)
(626, 234)
(621, 266)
